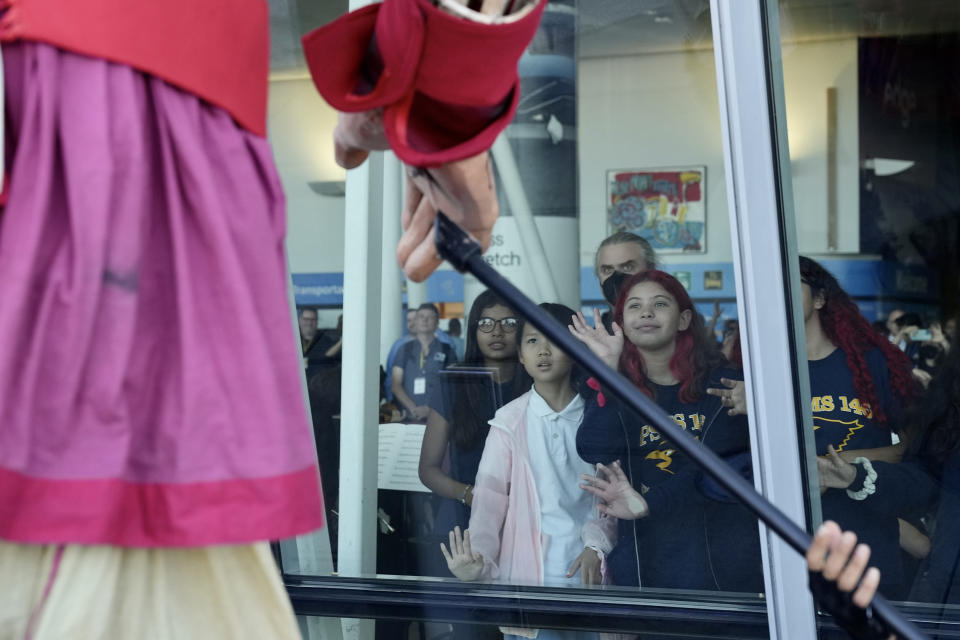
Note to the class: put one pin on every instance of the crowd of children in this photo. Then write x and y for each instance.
(564, 485)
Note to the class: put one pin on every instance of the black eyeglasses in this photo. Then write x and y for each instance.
(508, 325)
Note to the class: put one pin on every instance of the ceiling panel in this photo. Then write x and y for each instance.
(630, 27)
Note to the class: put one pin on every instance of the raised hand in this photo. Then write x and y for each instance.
(605, 346)
(835, 472)
(618, 497)
(733, 394)
(461, 560)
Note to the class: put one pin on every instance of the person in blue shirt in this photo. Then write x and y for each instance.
(410, 334)
(416, 370)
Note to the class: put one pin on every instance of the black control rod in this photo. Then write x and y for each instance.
(465, 254)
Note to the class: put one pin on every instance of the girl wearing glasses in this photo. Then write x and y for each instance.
(459, 414)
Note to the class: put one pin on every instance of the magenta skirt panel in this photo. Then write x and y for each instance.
(150, 392)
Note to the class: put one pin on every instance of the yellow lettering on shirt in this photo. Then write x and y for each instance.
(648, 434)
(697, 421)
(665, 456)
(823, 404)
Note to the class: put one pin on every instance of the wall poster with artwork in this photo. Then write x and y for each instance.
(665, 206)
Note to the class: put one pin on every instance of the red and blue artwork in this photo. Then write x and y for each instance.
(665, 206)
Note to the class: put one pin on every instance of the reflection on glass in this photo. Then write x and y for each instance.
(874, 134)
(616, 154)
(678, 529)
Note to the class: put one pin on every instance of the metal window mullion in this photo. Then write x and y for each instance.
(761, 243)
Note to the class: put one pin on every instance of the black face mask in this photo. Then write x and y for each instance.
(611, 286)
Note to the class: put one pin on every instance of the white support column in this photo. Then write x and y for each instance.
(416, 294)
(359, 415)
(360, 386)
(391, 296)
(756, 172)
(526, 226)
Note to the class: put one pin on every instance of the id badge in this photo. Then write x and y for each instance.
(419, 386)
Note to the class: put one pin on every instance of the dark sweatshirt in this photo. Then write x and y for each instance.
(847, 422)
(688, 540)
(940, 580)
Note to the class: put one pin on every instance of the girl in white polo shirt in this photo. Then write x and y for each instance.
(530, 522)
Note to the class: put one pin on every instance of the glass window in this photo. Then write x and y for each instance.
(873, 123)
(613, 165)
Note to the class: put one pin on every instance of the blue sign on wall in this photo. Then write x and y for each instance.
(318, 289)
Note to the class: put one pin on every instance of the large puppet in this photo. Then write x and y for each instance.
(436, 82)
(153, 434)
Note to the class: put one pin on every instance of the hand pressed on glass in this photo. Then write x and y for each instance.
(461, 560)
(605, 346)
(618, 497)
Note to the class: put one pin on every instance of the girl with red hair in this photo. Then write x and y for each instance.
(860, 384)
(677, 529)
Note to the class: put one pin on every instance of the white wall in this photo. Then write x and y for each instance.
(300, 126)
(808, 70)
(655, 110)
(661, 110)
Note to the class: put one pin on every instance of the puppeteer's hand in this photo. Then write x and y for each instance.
(588, 564)
(605, 346)
(618, 497)
(464, 190)
(733, 394)
(461, 560)
(356, 135)
(838, 570)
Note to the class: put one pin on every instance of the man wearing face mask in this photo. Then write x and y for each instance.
(618, 257)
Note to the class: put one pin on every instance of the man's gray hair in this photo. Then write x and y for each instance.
(628, 237)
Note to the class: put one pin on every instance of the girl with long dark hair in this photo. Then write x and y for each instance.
(677, 530)
(460, 410)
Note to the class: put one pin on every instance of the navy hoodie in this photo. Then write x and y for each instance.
(688, 540)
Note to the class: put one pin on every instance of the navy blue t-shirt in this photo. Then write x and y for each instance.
(845, 420)
(689, 540)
